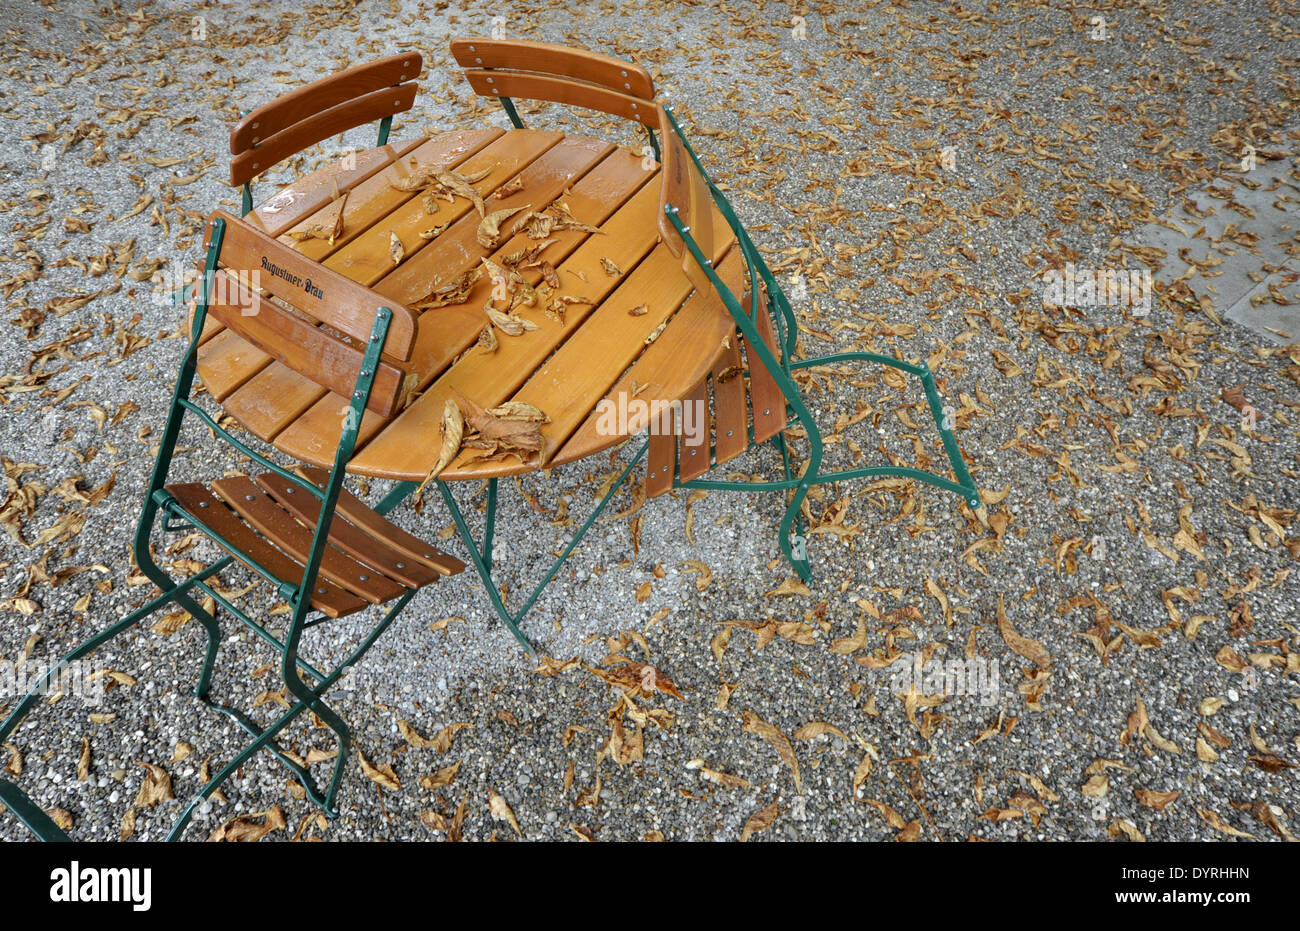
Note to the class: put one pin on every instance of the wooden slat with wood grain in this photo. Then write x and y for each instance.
(603, 197)
(323, 108)
(626, 239)
(209, 510)
(321, 95)
(269, 395)
(767, 400)
(668, 367)
(334, 299)
(281, 528)
(449, 330)
(544, 58)
(367, 257)
(310, 193)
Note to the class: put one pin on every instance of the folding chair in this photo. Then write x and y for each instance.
(320, 547)
(774, 400)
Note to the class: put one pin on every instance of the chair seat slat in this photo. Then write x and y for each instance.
(365, 517)
(374, 551)
(693, 447)
(282, 529)
(731, 414)
(764, 395)
(246, 545)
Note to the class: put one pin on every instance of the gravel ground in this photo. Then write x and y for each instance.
(914, 169)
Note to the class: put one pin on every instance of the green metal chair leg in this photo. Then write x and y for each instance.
(308, 698)
(399, 493)
(13, 797)
(30, 814)
(483, 566)
(792, 521)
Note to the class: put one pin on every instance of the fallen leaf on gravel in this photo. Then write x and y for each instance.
(413, 737)
(1216, 822)
(382, 775)
(791, 586)
(848, 645)
(156, 788)
(441, 778)
(442, 743)
(1031, 650)
(760, 820)
(726, 780)
(892, 818)
(1157, 800)
(245, 829)
(1119, 826)
(1164, 744)
(817, 729)
(501, 811)
(773, 735)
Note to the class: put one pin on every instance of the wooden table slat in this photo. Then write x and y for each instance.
(564, 369)
(366, 258)
(273, 396)
(628, 235)
(305, 196)
(226, 361)
(669, 365)
(445, 332)
(375, 197)
(570, 384)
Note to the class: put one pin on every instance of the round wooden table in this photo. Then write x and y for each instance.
(631, 327)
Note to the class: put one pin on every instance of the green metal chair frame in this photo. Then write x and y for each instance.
(158, 501)
(318, 110)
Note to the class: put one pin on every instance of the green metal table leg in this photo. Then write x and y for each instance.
(399, 493)
(489, 523)
(484, 570)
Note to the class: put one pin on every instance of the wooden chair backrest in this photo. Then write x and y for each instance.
(684, 187)
(578, 77)
(323, 108)
(556, 73)
(323, 336)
